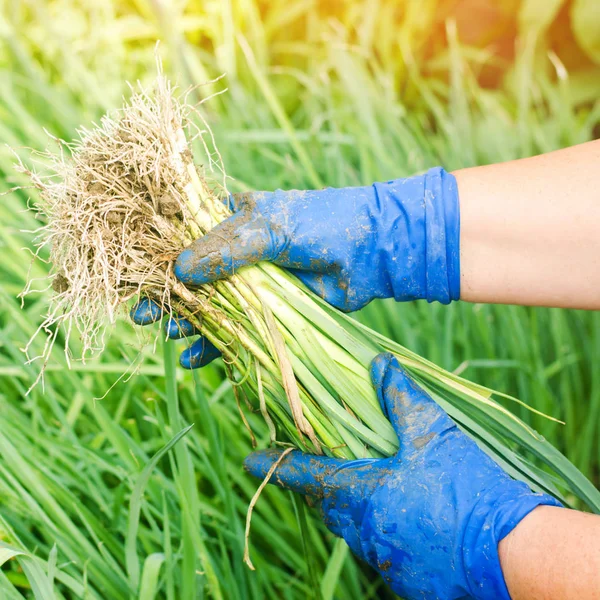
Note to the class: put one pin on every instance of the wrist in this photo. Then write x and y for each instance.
(514, 551)
(497, 513)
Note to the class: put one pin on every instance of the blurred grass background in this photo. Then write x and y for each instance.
(337, 93)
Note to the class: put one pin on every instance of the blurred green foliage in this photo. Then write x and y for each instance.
(319, 93)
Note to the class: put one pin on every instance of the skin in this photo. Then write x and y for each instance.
(529, 230)
(553, 553)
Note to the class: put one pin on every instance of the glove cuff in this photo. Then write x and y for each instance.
(488, 525)
(422, 240)
(442, 236)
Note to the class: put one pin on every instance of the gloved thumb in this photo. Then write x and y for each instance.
(243, 239)
(413, 413)
(300, 472)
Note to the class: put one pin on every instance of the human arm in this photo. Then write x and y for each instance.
(529, 230)
(553, 553)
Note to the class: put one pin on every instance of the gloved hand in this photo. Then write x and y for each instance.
(398, 239)
(429, 519)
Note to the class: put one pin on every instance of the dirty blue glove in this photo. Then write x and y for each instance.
(197, 355)
(429, 519)
(397, 239)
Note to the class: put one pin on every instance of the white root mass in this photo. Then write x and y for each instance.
(119, 204)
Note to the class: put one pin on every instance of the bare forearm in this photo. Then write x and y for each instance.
(554, 553)
(529, 230)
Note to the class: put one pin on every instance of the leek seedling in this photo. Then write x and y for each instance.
(120, 204)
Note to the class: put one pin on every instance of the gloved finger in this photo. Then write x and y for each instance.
(299, 472)
(178, 327)
(146, 311)
(235, 202)
(318, 476)
(243, 239)
(199, 354)
(413, 413)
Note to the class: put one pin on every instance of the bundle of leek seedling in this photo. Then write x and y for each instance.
(119, 205)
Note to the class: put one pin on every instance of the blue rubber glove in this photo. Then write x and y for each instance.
(200, 353)
(397, 239)
(429, 519)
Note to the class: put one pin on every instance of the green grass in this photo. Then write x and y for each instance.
(90, 489)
